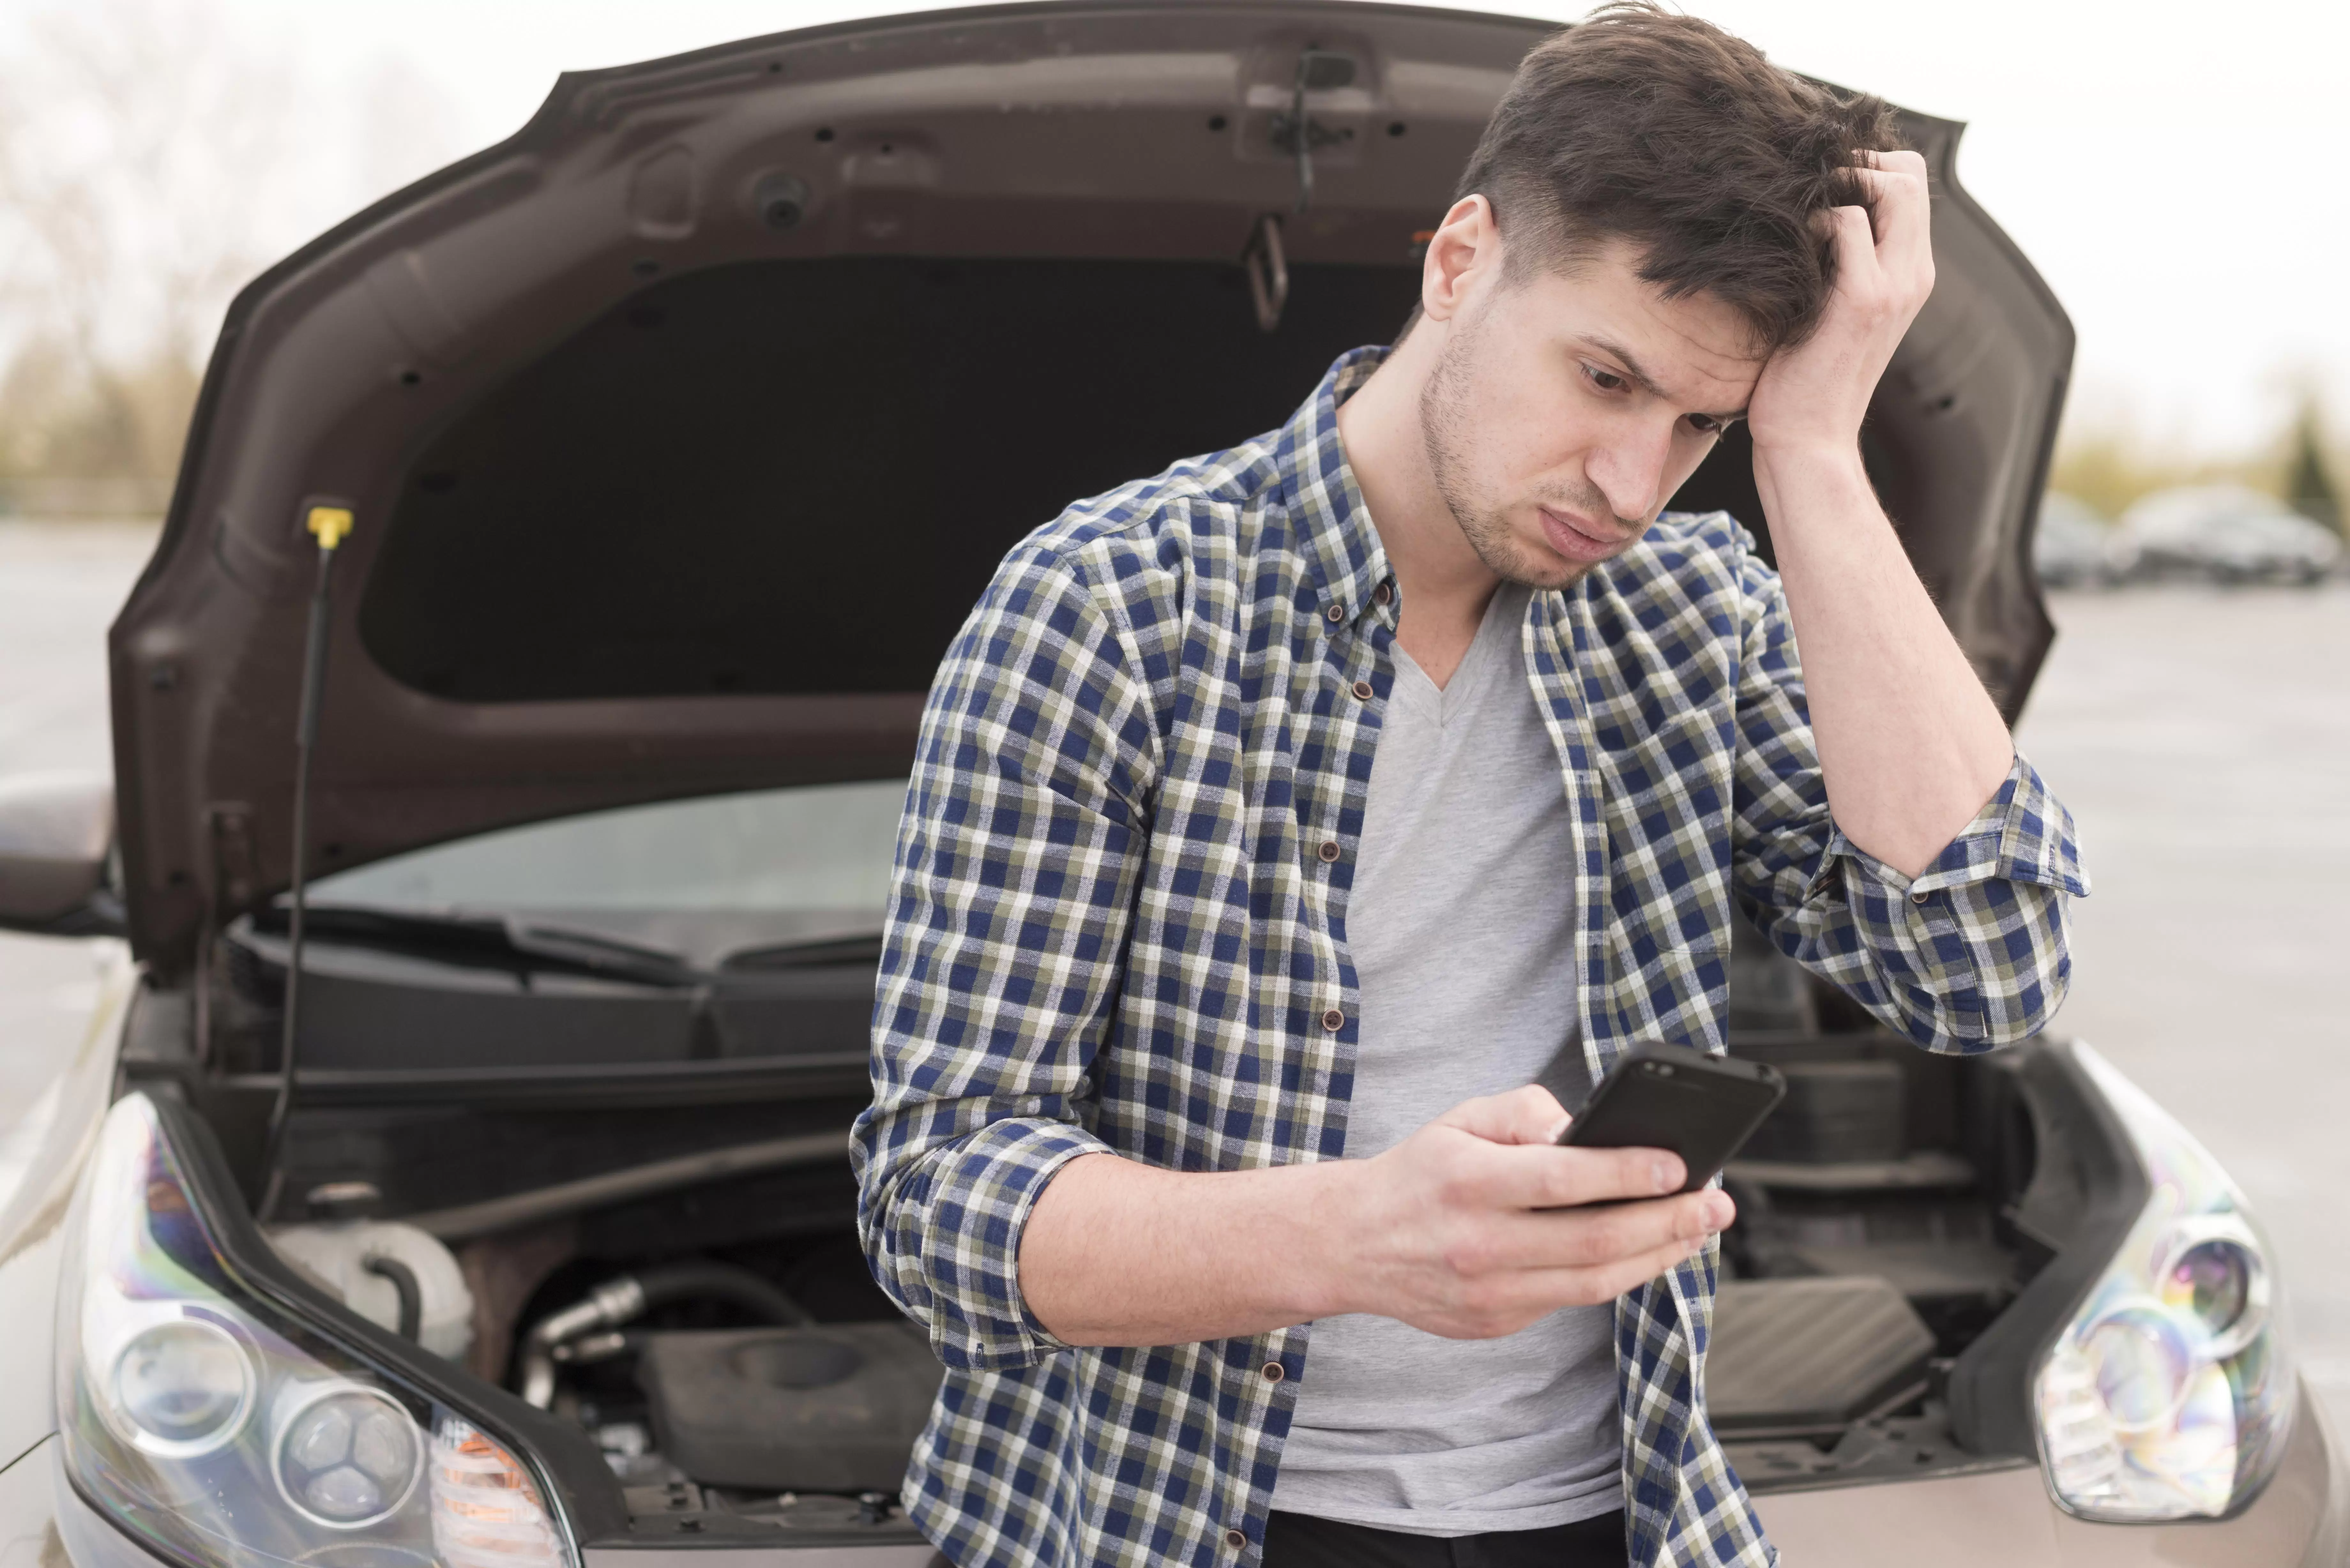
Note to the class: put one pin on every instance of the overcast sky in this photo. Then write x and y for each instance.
(2170, 168)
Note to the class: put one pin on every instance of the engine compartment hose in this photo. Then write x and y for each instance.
(704, 1281)
(627, 1297)
(403, 1281)
(601, 1346)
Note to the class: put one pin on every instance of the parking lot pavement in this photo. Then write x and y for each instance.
(2202, 737)
(60, 584)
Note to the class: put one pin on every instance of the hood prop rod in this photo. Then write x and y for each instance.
(328, 525)
(1268, 271)
(1298, 133)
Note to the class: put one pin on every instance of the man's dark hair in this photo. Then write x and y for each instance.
(1668, 132)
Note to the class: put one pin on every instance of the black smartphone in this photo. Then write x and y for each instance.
(1669, 1097)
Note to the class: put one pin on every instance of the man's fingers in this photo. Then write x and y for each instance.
(1856, 245)
(1531, 1115)
(1905, 227)
(1895, 178)
(1886, 278)
(1569, 1177)
(1537, 1292)
(1901, 159)
(1595, 1238)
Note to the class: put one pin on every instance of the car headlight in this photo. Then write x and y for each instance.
(221, 1431)
(2169, 1394)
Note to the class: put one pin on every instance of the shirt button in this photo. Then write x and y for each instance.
(1274, 1372)
(1329, 850)
(1334, 1020)
(1337, 613)
(1236, 1539)
(1920, 898)
(1382, 594)
(1362, 692)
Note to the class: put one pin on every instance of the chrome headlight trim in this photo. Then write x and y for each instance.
(156, 1234)
(2149, 1404)
(184, 1321)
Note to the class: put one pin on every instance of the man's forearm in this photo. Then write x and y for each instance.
(1910, 744)
(1475, 1226)
(1117, 1253)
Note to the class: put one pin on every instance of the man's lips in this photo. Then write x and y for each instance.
(1577, 540)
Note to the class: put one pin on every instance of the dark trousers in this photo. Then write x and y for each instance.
(1301, 1541)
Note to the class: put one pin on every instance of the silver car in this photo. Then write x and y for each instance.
(510, 732)
(2222, 532)
(2071, 546)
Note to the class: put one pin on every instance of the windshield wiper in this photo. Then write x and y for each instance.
(495, 942)
(860, 947)
(515, 945)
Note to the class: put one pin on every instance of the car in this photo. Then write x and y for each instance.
(2071, 545)
(510, 733)
(2223, 532)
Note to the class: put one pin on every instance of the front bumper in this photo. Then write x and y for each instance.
(2007, 1517)
(2000, 1517)
(44, 1524)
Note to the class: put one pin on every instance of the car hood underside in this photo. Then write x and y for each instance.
(681, 429)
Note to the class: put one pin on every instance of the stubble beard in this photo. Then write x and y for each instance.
(1445, 428)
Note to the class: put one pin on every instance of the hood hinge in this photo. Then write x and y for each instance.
(1298, 134)
(235, 878)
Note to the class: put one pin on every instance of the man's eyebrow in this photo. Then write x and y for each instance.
(1608, 346)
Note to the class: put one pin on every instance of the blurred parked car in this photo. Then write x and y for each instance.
(2072, 547)
(2227, 533)
(661, 450)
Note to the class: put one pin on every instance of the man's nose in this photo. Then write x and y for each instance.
(1629, 470)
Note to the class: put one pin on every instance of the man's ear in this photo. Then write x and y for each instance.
(1464, 252)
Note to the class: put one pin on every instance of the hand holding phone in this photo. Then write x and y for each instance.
(1479, 1224)
(1701, 1107)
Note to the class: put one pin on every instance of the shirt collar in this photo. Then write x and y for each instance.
(1332, 526)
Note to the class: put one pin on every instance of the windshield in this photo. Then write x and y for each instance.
(699, 878)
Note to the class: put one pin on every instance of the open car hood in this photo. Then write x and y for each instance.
(682, 427)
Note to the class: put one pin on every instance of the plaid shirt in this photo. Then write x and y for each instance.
(1111, 931)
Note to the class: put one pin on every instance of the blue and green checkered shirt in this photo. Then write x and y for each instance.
(1111, 931)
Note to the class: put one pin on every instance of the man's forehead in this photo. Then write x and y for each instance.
(1694, 350)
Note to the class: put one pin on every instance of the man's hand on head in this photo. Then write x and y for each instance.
(1812, 398)
(1480, 1223)
(1911, 746)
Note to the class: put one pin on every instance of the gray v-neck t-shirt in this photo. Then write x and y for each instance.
(1462, 925)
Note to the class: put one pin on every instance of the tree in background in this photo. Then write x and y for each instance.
(2106, 459)
(132, 137)
(153, 156)
(2108, 465)
(2307, 485)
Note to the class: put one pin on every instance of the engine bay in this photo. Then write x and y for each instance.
(676, 1273)
(721, 1343)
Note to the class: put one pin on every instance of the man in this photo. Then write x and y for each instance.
(1278, 821)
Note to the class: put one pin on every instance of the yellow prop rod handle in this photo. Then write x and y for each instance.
(329, 525)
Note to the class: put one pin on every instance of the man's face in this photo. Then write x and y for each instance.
(1566, 408)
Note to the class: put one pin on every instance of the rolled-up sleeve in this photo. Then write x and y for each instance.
(1971, 953)
(1008, 920)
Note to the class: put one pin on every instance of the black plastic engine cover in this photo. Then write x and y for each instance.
(831, 1409)
(1836, 1112)
(1790, 1356)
